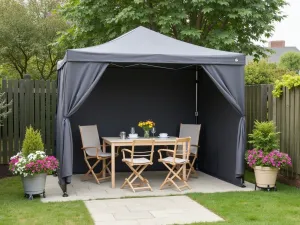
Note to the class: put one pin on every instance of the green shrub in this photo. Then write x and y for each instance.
(290, 61)
(264, 136)
(263, 72)
(288, 81)
(32, 141)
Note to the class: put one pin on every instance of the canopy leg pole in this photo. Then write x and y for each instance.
(63, 186)
(196, 111)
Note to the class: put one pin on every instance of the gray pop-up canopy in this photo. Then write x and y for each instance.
(96, 73)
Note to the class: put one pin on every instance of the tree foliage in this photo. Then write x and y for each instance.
(291, 61)
(27, 32)
(233, 25)
(288, 81)
(262, 72)
(17, 36)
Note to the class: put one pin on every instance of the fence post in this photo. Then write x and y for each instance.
(27, 77)
(274, 110)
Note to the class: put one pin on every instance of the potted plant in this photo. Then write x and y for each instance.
(265, 158)
(32, 164)
(146, 126)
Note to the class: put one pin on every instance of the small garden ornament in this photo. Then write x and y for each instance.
(32, 164)
(265, 158)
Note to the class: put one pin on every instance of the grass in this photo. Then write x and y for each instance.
(254, 208)
(237, 208)
(15, 209)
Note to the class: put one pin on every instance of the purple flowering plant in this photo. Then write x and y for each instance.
(275, 159)
(35, 163)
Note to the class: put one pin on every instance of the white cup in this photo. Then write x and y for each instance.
(163, 135)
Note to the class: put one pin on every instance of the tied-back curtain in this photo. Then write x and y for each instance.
(231, 84)
(76, 82)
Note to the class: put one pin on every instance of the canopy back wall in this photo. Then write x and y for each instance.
(123, 97)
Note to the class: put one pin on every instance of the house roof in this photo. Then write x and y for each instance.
(278, 52)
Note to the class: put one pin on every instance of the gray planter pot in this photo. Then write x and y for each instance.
(34, 185)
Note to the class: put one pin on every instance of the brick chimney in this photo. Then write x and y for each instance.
(277, 44)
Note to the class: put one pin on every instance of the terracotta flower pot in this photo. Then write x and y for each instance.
(265, 176)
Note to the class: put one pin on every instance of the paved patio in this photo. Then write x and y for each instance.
(90, 190)
(149, 211)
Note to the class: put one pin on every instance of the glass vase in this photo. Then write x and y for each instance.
(146, 133)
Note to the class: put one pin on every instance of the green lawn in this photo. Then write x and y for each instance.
(254, 208)
(237, 208)
(14, 209)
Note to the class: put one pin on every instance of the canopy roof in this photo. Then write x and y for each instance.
(143, 45)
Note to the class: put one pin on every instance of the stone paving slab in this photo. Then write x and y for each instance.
(89, 190)
(177, 209)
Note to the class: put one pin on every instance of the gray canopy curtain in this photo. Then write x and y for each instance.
(75, 83)
(227, 78)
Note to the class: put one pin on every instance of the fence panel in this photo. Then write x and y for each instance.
(4, 129)
(34, 103)
(284, 111)
(10, 125)
(297, 130)
(16, 115)
(258, 106)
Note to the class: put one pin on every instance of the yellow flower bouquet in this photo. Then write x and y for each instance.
(146, 126)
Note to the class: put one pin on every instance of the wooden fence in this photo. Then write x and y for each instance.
(284, 111)
(258, 105)
(34, 103)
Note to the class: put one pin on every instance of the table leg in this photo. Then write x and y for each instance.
(104, 161)
(113, 157)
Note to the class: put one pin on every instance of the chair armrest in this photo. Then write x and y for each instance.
(126, 150)
(86, 147)
(195, 146)
(164, 150)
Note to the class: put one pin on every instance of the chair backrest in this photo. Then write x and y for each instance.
(183, 143)
(148, 145)
(193, 131)
(90, 137)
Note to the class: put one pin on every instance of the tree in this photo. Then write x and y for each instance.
(233, 25)
(28, 30)
(49, 24)
(18, 36)
(291, 61)
(262, 72)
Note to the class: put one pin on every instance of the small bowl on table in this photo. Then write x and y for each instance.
(133, 136)
(163, 135)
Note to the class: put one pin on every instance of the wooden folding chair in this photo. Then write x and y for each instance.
(92, 150)
(138, 161)
(171, 162)
(193, 131)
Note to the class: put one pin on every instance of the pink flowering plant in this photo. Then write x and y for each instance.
(34, 163)
(275, 159)
(265, 140)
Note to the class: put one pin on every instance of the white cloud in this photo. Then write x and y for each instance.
(289, 28)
